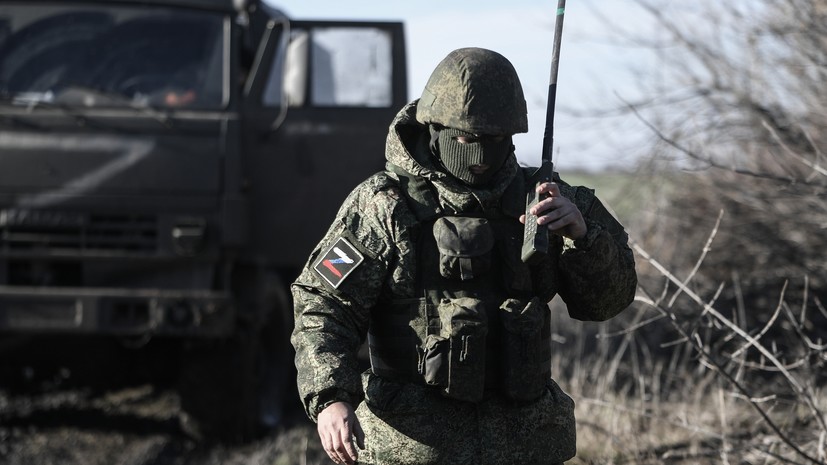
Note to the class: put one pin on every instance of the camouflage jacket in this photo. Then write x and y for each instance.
(594, 276)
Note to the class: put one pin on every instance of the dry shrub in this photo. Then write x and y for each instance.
(751, 145)
(722, 359)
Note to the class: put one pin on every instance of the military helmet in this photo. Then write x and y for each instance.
(474, 90)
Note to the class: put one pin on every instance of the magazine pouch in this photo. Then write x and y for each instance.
(454, 359)
(526, 354)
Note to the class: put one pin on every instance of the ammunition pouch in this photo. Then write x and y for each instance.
(454, 359)
(526, 348)
(464, 246)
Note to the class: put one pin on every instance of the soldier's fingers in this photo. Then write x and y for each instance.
(333, 456)
(552, 204)
(332, 444)
(545, 205)
(347, 451)
(551, 188)
(561, 209)
(571, 225)
(327, 445)
(338, 453)
(563, 222)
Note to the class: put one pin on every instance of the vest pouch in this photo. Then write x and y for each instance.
(435, 359)
(455, 359)
(464, 245)
(526, 354)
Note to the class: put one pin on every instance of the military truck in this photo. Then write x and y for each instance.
(166, 167)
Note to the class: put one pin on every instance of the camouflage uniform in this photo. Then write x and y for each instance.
(368, 267)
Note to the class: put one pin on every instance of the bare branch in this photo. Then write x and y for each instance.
(709, 161)
(816, 167)
(704, 251)
(769, 324)
(712, 363)
(794, 383)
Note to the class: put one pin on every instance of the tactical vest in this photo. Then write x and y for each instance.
(474, 326)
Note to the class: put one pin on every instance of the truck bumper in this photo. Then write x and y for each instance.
(125, 312)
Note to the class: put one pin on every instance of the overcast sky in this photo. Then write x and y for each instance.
(595, 67)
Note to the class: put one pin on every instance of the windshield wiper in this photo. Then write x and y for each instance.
(72, 100)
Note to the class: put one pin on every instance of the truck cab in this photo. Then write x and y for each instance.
(166, 167)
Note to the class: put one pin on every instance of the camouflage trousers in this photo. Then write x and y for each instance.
(411, 424)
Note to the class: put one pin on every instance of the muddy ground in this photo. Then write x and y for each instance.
(131, 425)
(112, 410)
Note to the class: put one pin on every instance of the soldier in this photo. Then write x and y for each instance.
(423, 260)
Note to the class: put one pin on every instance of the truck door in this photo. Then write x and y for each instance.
(315, 125)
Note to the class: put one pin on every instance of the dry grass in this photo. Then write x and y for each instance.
(636, 406)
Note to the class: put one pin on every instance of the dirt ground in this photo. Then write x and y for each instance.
(132, 425)
(70, 404)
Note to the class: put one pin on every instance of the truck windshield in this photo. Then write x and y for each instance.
(89, 55)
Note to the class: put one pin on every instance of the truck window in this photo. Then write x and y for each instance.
(112, 56)
(333, 67)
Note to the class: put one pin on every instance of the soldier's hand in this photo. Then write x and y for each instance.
(558, 213)
(337, 425)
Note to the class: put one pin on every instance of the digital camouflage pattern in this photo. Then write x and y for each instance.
(343, 292)
(477, 91)
(412, 425)
(407, 423)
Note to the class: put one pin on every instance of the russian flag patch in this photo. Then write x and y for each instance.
(338, 262)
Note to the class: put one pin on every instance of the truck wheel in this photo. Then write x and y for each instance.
(234, 390)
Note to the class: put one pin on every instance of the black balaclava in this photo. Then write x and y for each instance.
(457, 158)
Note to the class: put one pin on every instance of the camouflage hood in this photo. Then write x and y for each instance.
(407, 148)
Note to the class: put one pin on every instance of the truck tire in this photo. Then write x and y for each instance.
(234, 390)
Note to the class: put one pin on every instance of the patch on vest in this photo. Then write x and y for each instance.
(338, 262)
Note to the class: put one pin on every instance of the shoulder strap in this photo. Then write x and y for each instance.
(419, 193)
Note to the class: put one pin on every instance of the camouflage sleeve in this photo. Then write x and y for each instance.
(597, 273)
(334, 294)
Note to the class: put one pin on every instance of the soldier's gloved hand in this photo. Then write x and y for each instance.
(558, 213)
(337, 425)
